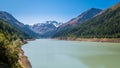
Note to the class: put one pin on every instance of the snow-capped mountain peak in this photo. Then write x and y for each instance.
(45, 28)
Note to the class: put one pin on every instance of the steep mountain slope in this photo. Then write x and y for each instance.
(81, 18)
(115, 6)
(10, 19)
(104, 25)
(45, 29)
(11, 40)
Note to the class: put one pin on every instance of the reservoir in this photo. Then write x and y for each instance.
(49, 53)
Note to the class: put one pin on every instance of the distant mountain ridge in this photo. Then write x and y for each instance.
(10, 19)
(45, 29)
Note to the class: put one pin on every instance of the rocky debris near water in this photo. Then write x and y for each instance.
(23, 60)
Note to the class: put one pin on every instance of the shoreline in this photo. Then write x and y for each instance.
(111, 40)
(23, 59)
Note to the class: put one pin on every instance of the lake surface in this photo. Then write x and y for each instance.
(47, 53)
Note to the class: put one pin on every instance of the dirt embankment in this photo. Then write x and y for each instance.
(23, 60)
(113, 40)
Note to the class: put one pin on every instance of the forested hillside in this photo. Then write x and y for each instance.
(20, 26)
(86, 15)
(104, 25)
(11, 40)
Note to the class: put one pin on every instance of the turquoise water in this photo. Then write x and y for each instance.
(48, 53)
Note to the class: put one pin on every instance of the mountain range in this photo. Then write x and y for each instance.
(20, 26)
(87, 15)
(87, 24)
(49, 28)
(105, 24)
(93, 23)
(45, 29)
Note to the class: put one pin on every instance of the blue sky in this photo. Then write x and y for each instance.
(38, 11)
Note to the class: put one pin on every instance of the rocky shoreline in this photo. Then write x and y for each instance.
(23, 60)
(112, 40)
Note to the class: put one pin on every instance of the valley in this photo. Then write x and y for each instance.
(89, 40)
